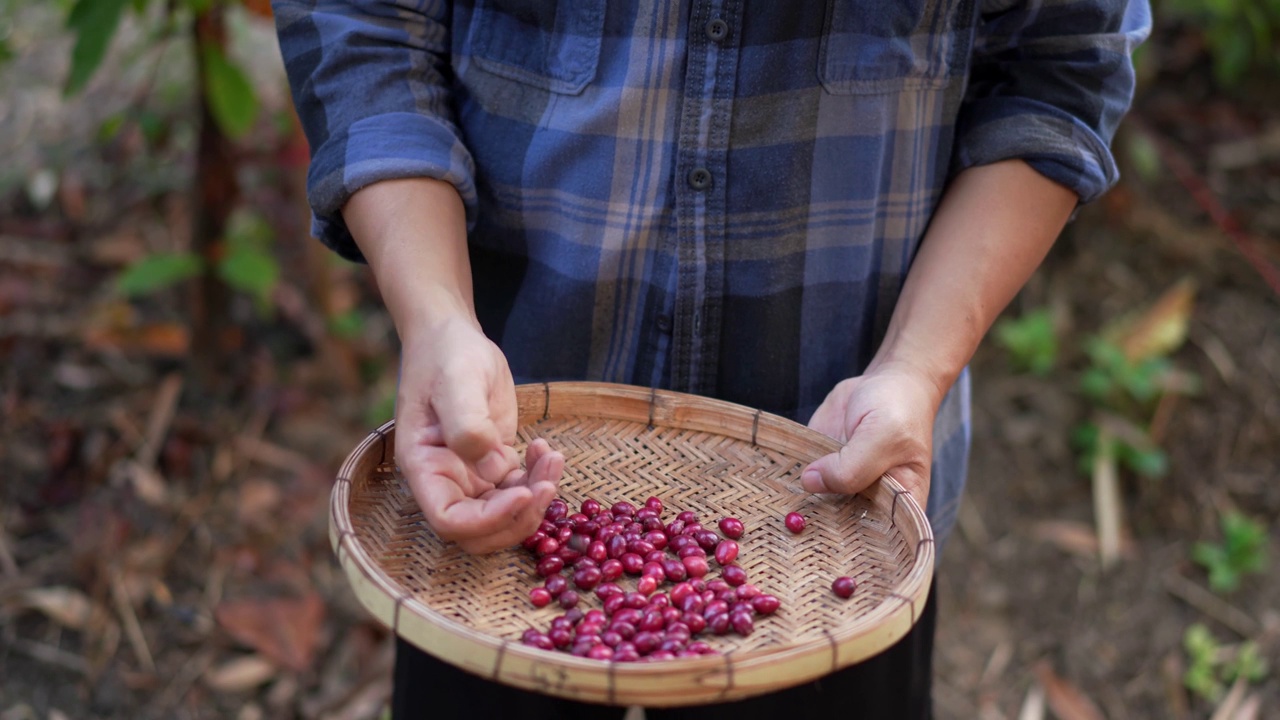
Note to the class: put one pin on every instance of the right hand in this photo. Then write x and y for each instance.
(455, 427)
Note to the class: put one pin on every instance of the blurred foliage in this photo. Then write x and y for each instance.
(157, 271)
(1127, 370)
(247, 264)
(1031, 341)
(1243, 551)
(226, 87)
(1212, 666)
(1241, 36)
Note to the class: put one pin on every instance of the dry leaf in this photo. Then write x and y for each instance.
(240, 674)
(285, 630)
(1066, 700)
(261, 8)
(1032, 704)
(1231, 703)
(1250, 709)
(147, 484)
(257, 501)
(1160, 329)
(156, 339)
(1075, 538)
(1072, 537)
(66, 606)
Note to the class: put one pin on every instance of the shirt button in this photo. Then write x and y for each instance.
(699, 178)
(717, 29)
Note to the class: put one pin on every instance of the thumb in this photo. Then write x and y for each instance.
(849, 470)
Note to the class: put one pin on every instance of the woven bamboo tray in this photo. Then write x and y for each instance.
(627, 443)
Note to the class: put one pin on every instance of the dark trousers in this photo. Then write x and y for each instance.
(894, 685)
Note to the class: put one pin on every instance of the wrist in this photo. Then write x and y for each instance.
(919, 366)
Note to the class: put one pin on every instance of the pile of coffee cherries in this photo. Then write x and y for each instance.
(592, 550)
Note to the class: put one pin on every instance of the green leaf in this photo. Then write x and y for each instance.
(229, 93)
(1144, 157)
(1031, 341)
(94, 23)
(248, 265)
(382, 410)
(1248, 664)
(6, 52)
(346, 325)
(1147, 462)
(251, 270)
(1096, 384)
(156, 272)
(110, 127)
(152, 126)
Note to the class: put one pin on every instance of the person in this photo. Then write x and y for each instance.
(816, 208)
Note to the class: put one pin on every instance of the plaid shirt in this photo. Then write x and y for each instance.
(711, 196)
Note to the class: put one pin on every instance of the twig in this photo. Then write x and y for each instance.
(132, 628)
(1208, 201)
(8, 565)
(48, 654)
(1210, 604)
(271, 454)
(161, 418)
(191, 670)
(1107, 508)
(1227, 709)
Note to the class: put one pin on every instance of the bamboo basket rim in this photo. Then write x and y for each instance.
(396, 607)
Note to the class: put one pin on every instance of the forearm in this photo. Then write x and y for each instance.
(413, 234)
(991, 230)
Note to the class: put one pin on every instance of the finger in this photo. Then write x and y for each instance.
(536, 457)
(463, 412)
(851, 469)
(437, 485)
(518, 527)
(542, 479)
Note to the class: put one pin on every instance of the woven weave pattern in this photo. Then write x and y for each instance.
(713, 464)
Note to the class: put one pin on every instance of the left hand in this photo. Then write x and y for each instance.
(885, 420)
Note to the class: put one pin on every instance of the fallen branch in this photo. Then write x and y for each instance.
(8, 565)
(1210, 604)
(132, 628)
(48, 654)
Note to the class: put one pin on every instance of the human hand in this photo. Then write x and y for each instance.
(885, 420)
(455, 425)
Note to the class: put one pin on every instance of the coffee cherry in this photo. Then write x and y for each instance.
(795, 522)
(843, 586)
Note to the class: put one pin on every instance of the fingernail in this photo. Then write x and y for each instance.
(811, 480)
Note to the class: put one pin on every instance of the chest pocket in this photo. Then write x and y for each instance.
(550, 44)
(882, 46)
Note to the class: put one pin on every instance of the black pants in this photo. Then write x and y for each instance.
(894, 685)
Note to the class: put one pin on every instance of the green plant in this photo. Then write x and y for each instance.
(246, 265)
(1212, 666)
(1243, 551)
(224, 84)
(1129, 371)
(1240, 35)
(1031, 341)
(1133, 449)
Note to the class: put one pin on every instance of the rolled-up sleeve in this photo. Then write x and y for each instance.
(1049, 83)
(372, 85)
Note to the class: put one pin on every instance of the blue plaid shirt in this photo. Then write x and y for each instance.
(712, 196)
